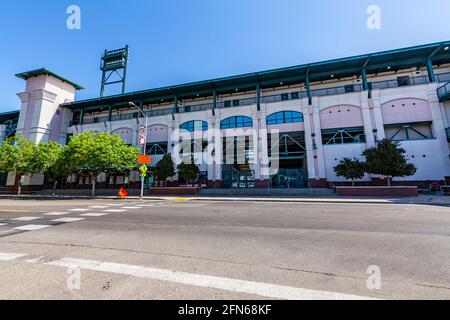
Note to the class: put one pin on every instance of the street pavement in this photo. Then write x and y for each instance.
(183, 249)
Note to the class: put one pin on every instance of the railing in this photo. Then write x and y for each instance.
(337, 90)
(284, 97)
(407, 81)
(236, 103)
(195, 108)
(443, 77)
(444, 91)
(121, 117)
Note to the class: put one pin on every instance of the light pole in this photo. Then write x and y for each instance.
(132, 104)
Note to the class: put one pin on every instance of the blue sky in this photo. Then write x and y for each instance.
(176, 41)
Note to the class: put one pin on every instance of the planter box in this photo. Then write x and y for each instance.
(403, 191)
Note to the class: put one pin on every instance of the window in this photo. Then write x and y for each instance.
(343, 136)
(285, 117)
(404, 81)
(236, 103)
(411, 131)
(193, 126)
(295, 96)
(349, 88)
(284, 96)
(236, 122)
(155, 149)
(227, 104)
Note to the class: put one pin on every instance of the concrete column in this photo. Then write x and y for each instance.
(368, 129)
(208, 157)
(256, 116)
(264, 146)
(218, 142)
(135, 136)
(379, 125)
(24, 99)
(321, 173)
(176, 141)
(439, 126)
(309, 142)
(2, 132)
(44, 110)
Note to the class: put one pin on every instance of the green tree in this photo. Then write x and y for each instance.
(388, 160)
(165, 168)
(350, 169)
(189, 171)
(96, 153)
(54, 163)
(9, 155)
(20, 156)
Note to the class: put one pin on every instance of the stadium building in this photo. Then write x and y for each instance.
(305, 118)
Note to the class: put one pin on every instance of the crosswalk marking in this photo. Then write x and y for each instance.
(131, 208)
(56, 213)
(68, 220)
(26, 218)
(3, 224)
(79, 210)
(93, 214)
(32, 227)
(10, 256)
(114, 210)
(233, 285)
(99, 207)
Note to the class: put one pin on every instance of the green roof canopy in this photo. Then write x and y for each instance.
(43, 71)
(374, 63)
(12, 115)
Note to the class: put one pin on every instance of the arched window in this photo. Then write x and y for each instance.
(236, 122)
(193, 126)
(285, 117)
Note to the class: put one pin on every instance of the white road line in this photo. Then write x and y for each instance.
(79, 210)
(114, 210)
(93, 214)
(3, 224)
(131, 208)
(99, 207)
(10, 256)
(147, 205)
(32, 227)
(233, 285)
(56, 213)
(67, 220)
(26, 218)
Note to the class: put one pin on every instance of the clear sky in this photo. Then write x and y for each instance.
(177, 41)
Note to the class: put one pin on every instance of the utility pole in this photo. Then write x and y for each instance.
(140, 108)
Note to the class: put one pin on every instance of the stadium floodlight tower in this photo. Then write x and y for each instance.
(114, 68)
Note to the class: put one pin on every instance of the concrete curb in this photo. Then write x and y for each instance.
(321, 200)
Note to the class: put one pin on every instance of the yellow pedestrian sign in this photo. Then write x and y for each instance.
(144, 170)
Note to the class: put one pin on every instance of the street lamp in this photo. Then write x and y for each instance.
(132, 104)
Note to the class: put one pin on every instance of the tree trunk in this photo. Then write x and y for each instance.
(19, 190)
(93, 186)
(389, 181)
(54, 188)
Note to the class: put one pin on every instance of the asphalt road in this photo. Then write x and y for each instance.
(181, 249)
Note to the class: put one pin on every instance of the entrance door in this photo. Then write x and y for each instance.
(238, 177)
(288, 160)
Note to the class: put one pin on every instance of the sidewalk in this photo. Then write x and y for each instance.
(421, 199)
